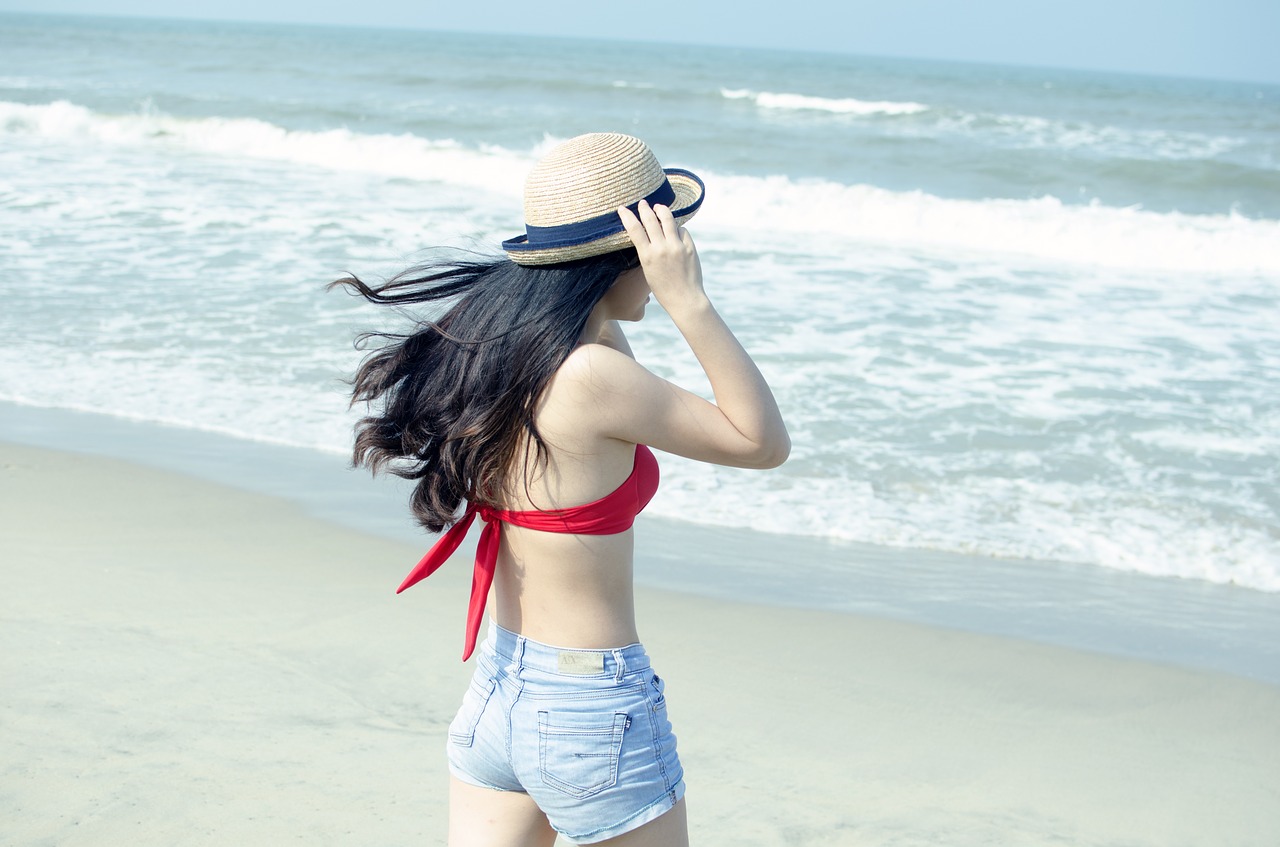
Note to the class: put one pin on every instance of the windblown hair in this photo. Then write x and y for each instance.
(450, 400)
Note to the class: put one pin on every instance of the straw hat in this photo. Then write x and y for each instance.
(572, 195)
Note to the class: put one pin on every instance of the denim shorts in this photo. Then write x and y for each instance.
(583, 732)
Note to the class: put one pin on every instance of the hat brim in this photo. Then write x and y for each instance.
(689, 193)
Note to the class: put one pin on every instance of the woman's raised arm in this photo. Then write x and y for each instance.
(743, 427)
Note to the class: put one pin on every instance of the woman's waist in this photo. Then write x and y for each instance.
(578, 599)
(579, 622)
(531, 542)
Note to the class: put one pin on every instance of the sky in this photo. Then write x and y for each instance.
(1226, 39)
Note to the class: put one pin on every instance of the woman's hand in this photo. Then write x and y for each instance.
(743, 427)
(668, 256)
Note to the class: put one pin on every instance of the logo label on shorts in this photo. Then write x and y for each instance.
(580, 663)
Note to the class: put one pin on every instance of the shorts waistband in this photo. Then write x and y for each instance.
(518, 651)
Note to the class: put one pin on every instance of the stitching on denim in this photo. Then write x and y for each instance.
(656, 745)
(548, 731)
(484, 693)
(668, 798)
(601, 694)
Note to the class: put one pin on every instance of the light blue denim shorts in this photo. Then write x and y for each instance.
(583, 732)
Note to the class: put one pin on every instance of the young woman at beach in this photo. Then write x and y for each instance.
(521, 402)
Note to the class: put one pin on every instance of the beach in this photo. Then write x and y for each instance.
(1018, 582)
(191, 663)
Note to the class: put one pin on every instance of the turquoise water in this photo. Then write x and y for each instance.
(1008, 312)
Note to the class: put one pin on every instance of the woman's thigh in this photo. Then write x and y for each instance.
(670, 830)
(485, 817)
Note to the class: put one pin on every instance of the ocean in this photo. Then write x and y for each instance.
(1022, 314)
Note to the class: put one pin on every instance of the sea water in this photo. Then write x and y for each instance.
(1018, 313)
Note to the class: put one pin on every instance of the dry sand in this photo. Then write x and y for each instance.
(184, 663)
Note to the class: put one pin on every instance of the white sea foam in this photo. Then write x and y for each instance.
(839, 105)
(1261, 446)
(1035, 132)
(401, 155)
(956, 398)
(817, 212)
(1009, 130)
(187, 393)
(957, 405)
(1019, 517)
(1043, 228)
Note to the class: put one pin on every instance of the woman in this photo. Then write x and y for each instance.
(523, 402)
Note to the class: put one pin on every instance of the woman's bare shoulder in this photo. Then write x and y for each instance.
(579, 390)
(592, 368)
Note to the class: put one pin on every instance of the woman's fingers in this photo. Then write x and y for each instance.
(633, 226)
(650, 224)
(667, 221)
(659, 223)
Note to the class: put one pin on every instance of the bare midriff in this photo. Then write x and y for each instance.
(566, 590)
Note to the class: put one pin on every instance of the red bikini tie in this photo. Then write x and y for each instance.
(482, 575)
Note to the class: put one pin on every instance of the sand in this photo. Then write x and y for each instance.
(187, 663)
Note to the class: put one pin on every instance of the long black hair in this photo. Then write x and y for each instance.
(451, 399)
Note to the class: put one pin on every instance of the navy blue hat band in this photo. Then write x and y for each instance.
(594, 229)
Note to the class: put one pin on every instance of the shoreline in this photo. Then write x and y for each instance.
(1184, 623)
(191, 663)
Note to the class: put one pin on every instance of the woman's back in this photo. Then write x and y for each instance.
(574, 590)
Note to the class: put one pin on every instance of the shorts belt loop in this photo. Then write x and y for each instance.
(517, 656)
(619, 666)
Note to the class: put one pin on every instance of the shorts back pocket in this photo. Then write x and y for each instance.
(578, 755)
(462, 730)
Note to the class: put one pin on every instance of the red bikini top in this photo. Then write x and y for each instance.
(611, 514)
